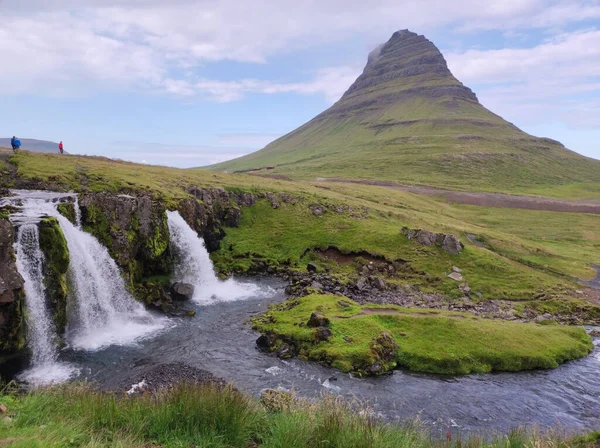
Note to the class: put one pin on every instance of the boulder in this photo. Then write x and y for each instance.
(595, 333)
(457, 270)
(361, 283)
(285, 351)
(182, 291)
(452, 244)
(318, 320)
(379, 283)
(426, 238)
(321, 334)
(317, 210)
(311, 267)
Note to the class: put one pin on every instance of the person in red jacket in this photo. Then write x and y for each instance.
(60, 147)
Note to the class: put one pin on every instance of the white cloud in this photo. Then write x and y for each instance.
(63, 47)
(537, 84)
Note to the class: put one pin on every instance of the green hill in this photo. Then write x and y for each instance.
(407, 119)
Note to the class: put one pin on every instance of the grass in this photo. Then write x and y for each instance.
(206, 416)
(428, 340)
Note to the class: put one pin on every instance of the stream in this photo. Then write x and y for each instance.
(218, 340)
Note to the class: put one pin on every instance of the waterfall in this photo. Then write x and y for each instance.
(196, 268)
(77, 212)
(41, 333)
(102, 310)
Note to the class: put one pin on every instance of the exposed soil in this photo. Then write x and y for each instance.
(488, 199)
(334, 254)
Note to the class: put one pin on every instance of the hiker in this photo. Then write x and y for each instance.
(60, 147)
(15, 143)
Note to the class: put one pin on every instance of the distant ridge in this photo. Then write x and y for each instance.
(407, 119)
(31, 144)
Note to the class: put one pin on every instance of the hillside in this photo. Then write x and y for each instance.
(32, 144)
(407, 119)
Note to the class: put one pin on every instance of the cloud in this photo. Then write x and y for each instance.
(66, 47)
(557, 80)
(332, 82)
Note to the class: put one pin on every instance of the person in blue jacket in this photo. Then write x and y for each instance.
(16, 143)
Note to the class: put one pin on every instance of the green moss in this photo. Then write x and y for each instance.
(13, 335)
(56, 252)
(427, 340)
(97, 224)
(68, 211)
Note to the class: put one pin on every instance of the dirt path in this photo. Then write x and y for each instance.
(488, 199)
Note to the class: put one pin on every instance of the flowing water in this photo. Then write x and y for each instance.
(219, 339)
(195, 266)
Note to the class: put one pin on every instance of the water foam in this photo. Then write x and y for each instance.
(195, 267)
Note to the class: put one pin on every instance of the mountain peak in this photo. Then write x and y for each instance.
(413, 61)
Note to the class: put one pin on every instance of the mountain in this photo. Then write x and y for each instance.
(407, 119)
(31, 144)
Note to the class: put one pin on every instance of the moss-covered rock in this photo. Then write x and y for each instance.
(12, 316)
(136, 234)
(56, 252)
(67, 209)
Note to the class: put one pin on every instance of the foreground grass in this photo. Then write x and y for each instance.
(427, 340)
(206, 416)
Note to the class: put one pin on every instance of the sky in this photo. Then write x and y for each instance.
(194, 82)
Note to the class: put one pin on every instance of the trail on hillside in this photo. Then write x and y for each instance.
(487, 199)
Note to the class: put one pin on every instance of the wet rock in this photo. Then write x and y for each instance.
(285, 351)
(311, 267)
(182, 291)
(318, 320)
(595, 333)
(321, 334)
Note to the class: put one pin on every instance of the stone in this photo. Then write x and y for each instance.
(343, 304)
(348, 339)
(316, 285)
(311, 267)
(379, 284)
(465, 289)
(318, 320)
(321, 334)
(595, 333)
(284, 351)
(452, 244)
(426, 238)
(456, 276)
(544, 317)
(317, 210)
(455, 269)
(3, 409)
(182, 291)
(361, 283)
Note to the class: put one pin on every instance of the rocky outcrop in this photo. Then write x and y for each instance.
(449, 243)
(12, 322)
(136, 234)
(56, 265)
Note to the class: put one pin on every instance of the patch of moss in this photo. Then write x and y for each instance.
(97, 224)
(67, 209)
(427, 340)
(56, 252)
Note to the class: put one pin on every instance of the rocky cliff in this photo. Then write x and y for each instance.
(12, 319)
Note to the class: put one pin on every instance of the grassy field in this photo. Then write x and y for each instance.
(524, 253)
(205, 416)
(427, 340)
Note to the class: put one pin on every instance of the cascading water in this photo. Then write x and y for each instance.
(41, 333)
(101, 311)
(196, 268)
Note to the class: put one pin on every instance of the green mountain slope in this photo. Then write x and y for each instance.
(407, 119)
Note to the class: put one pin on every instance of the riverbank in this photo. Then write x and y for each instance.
(374, 339)
(209, 415)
